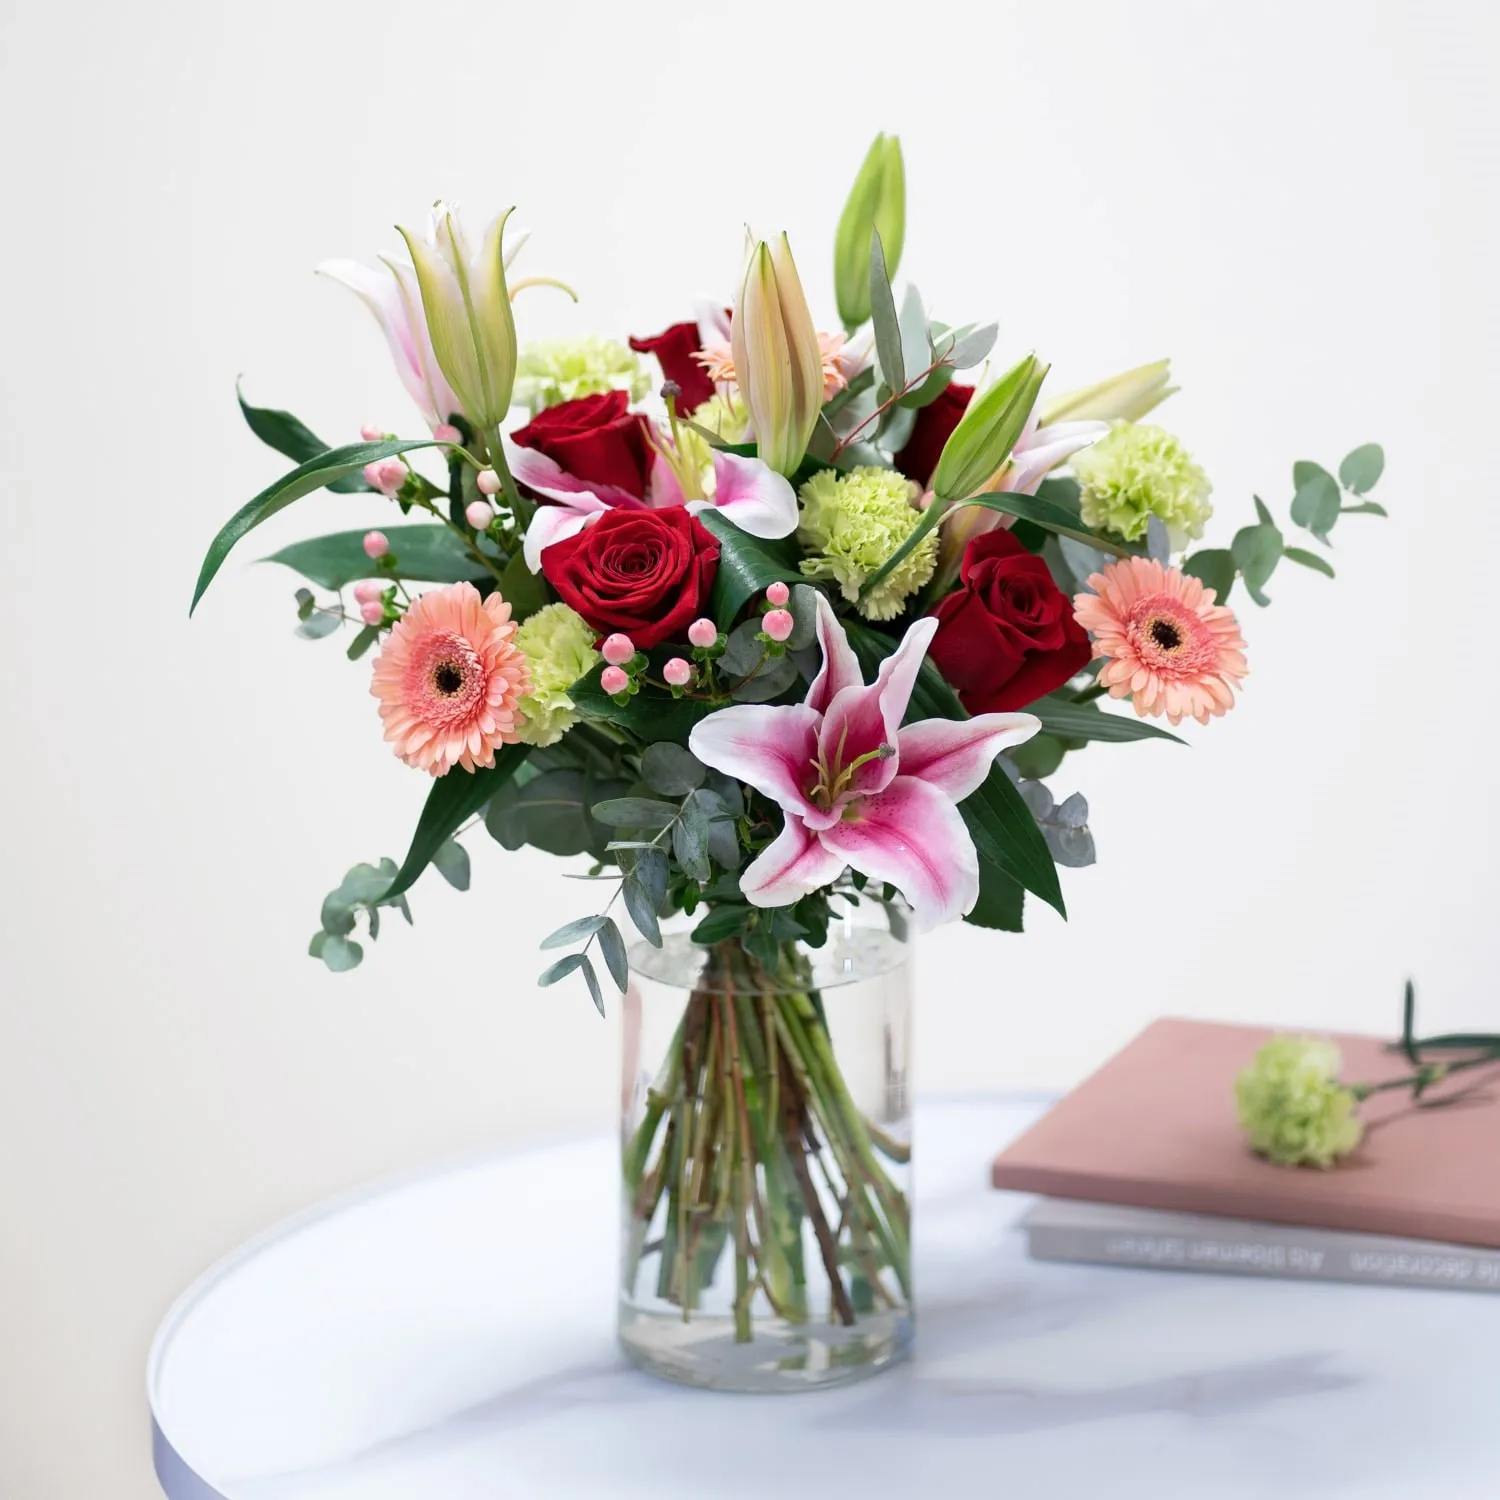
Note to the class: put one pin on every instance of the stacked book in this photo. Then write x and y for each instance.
(1145, 1165)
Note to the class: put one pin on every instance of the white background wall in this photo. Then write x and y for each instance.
(1293, 200)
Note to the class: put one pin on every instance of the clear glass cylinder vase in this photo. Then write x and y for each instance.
(766, 1159)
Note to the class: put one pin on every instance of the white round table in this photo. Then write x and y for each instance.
(450, 1337)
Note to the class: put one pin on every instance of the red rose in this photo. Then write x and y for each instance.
(644, 572)
(596, 438)
(933, 427)
(674, 349)
(1007, 635)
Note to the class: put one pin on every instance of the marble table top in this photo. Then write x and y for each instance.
(449, 1336)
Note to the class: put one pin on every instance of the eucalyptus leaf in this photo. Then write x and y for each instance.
(916, 347)
(451, 861)
(1256, 551)
(1215, 569)
(1315, 506)
(363, 640)
(590, 978)
(561, 969)
(1309, 560)
(573, 932)
(771, 681)
(341, 954)
(612, 947)
(743, 649)
(642, 908)
(671, 769)
(804, 607)
(635, 812)
(690, 842)
(971, 346)
(318, 625)
(1368, 508)
(1158, 543)
(550, 812)
(1362, 468)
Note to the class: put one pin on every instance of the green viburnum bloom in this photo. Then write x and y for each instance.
(551, 371)
(852, 524)
(558, 645)
(1292, 1106)
(1138, 471)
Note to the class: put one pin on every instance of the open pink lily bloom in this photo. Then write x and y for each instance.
(858, 789)
(750, 494)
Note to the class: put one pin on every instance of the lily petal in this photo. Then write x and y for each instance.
(547, 477)
(550, 524)
(1036, 456)
(912, 835)
(769, 748)
(860, 719)
(754, 496)
(840, 667)
(955, 755)
(794, 864)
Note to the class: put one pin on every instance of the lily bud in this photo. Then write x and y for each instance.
(877, 201)
(466, 305)
(988, 431)
(778, 363)
(1122, 398)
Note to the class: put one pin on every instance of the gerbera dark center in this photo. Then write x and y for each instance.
(447, 679)
(1165, 634)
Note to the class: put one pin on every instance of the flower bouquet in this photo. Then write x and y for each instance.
(785, 644)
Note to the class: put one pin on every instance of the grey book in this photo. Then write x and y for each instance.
(1067, 1229)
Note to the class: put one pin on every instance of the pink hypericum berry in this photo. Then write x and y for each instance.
(778, 594)
(703, 632)
(371, 433)
(677, 672)
(613, 680)
(446, 432)
(375, 544)
(488, 481)
(778, 624)
(386, 475)
(368, 589)
(372, 612)
(617, 650)
(479, 514)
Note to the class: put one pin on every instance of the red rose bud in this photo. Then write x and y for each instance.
(674, 349)
(644, 573)
(1007, 635)
(597, 439)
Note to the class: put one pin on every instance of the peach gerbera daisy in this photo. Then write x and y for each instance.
(1167, 645)
(448, 680)
(838, 364)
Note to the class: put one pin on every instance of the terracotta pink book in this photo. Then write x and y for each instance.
(1155, 1127)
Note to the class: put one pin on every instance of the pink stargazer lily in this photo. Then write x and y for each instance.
(856, 788)
(750, 494)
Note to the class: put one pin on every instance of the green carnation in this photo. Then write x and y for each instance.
(852, 525)
(551, 371)
(558, 645)
(1135, 472)
(1293, 1107)
(727, 417)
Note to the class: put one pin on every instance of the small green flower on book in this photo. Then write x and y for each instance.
(1292, 1106)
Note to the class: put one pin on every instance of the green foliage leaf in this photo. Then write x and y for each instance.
(747, 566)
(612, 946)
(651, 714)
(283, 432)
(1309, 560)
(430, 553)
(1362, 468)
(722, 922)
(640, 903)
(561, 969)
(1315, 506)
(635, 812)
(1001, 901)
(1215, 569)
(590, 978)
(672, 770)
(451, 861)
(1039, 756)
(573, 932)
(366, 637)
(1256, 551)
(1087, 721)
(317, 472)
(883, 315)
(339, 953)
(551, 812)
(454, 798)
(318, 624)
(1004, 831)
(522, 589)
(1368, 508)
